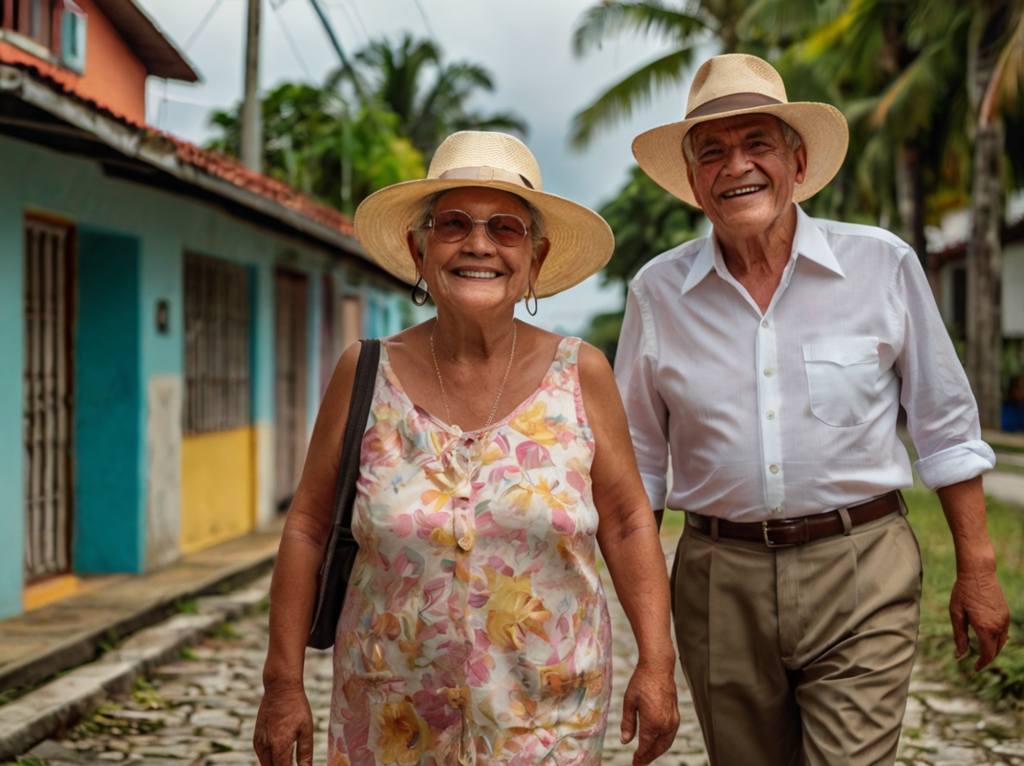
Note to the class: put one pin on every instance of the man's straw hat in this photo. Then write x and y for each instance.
(581, 242)
(740, 84)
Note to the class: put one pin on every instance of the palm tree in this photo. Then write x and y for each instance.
(996, 68)
(684, 25)
(428, 109)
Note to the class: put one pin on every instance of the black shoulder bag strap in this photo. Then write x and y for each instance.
(341, 546)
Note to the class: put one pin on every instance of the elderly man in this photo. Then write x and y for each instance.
(772, 358)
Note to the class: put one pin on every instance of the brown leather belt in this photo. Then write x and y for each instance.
(781, 533)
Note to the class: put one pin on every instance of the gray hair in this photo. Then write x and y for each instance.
(791, 137)
(426, 212)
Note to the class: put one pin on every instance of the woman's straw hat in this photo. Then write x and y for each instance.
(740, 84)
(581, 242)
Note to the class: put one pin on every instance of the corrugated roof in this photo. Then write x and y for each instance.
(155, 50)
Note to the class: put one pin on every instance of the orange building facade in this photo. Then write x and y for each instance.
(100, 50)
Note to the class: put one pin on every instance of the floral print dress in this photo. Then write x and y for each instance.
(475, 629)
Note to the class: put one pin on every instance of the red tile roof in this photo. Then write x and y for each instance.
(214, 163)
(232, 170)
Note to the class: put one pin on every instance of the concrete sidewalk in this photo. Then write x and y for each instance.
(73, 630)
(76, 630)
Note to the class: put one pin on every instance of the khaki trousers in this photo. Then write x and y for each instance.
(800, 655)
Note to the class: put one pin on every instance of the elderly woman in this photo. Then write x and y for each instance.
(475, 628)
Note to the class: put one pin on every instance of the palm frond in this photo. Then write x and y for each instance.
(618, 102)
(502, 121)
(1007, 80)
(782, 20)
(649, 17)
(907, 104)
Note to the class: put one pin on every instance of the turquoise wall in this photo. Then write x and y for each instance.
(109, 534)
(12, 487)
(162, 227)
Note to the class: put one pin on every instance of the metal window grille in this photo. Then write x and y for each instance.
(218, 321)
(48, 399)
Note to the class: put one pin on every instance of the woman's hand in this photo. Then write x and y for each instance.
(651, 696)
(284, 724)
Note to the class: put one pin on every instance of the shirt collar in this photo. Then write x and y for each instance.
(808, 242)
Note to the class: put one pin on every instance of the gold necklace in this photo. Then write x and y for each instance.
(437, 369)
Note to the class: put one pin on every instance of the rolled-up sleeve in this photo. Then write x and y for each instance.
(942, 415)
(645, 409)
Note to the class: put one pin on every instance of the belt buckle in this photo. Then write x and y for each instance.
(767, 540)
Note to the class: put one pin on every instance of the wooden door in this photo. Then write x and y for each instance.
(290, 381)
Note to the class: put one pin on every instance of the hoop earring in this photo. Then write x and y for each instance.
(419, 294)
(533, 295)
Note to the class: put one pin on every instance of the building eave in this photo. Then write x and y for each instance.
(156, 158)
(154, 48)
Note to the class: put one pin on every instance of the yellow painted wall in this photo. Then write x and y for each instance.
(218, 487)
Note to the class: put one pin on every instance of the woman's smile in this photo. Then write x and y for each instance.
(476, 274)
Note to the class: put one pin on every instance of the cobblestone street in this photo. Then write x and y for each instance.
(200, 711)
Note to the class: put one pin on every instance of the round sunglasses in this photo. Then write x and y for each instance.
(502, 229)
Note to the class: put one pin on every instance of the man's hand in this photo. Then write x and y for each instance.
(978, 601)
(651, 695)
(284, 724)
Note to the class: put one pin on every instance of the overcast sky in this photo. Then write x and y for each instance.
(525, 44)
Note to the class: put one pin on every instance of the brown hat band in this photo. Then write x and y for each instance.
(484, 173)
(731, 103)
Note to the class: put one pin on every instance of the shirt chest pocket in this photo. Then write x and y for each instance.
(843, 379)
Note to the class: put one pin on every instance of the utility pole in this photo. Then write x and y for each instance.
(252, 110)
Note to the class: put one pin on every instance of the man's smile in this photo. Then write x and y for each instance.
(742, 191)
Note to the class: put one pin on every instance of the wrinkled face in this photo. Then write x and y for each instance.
(477, 274)
(744, 173)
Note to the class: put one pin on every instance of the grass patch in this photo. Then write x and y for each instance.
(1007, 468)
(1004, 678)
(672, 524)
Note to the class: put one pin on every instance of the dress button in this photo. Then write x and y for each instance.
(768, 372)
(773, 468)
(466, 542)
(770, 415)
(764, 323)
(777, 511)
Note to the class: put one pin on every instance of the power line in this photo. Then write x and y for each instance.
(330, 33)
(344, 10)
(202, 24)
(426, 22)
(359, 18)
(296, 51)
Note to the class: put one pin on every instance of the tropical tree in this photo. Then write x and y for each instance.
(684, 25)
(318, 143)
(996, 81)
(647, 221)
(430, 97)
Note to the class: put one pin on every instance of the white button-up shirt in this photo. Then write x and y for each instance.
(793, 411)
